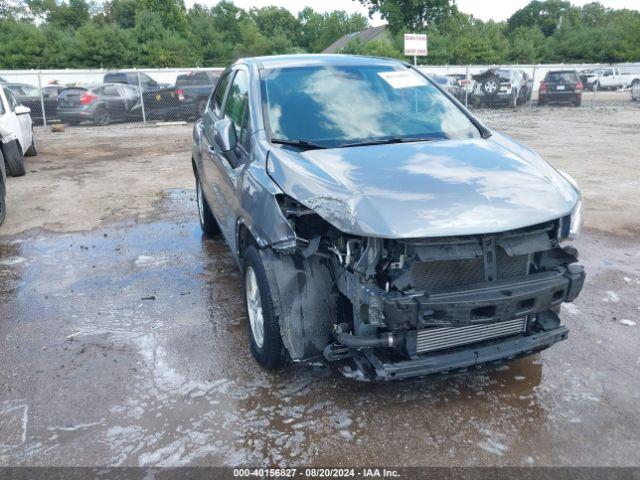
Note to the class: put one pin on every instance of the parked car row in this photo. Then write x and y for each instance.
(17, 140)
(611, 78)
(118, 98)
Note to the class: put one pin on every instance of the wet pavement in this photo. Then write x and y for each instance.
(126, 345)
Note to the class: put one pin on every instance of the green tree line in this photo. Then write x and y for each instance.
(164, 33)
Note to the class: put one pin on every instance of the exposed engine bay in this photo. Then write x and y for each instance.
(387, 309)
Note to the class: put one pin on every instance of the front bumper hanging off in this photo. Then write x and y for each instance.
(465, 327)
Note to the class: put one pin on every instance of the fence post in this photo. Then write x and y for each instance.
(144, 116)
(44, 114)
(533, 87)
(466, 90)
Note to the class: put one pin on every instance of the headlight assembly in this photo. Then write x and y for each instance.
(572, 225)
(575, 225)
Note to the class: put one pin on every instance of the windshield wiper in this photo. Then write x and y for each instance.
(386, 141)
(298, 143)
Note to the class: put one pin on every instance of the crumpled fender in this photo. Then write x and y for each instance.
(303, 300)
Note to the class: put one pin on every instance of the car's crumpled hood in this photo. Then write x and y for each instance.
(428, 189)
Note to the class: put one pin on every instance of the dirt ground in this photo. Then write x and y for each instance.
(123, 342)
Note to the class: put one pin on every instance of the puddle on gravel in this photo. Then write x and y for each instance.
(127, 346)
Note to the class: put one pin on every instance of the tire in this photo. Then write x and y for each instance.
(208, 223)
(13, 159)
(3, 207)
(262, 322)
(33, 149)
(101, 116)
(491, 86)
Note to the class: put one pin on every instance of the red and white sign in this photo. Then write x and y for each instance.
(415, 45)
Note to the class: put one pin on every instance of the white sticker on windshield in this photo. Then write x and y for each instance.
(403, 79)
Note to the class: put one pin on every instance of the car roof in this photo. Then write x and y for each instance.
(562, 71)
(317, 60)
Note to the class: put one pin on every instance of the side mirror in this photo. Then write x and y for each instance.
(22, 110)
(225, 135)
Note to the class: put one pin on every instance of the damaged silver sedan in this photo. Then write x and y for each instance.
(378, 224)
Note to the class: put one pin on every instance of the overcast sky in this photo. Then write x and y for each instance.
(484, 9)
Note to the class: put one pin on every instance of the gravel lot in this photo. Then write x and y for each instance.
(122, 331)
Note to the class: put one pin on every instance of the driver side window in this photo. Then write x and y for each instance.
(215, 104)
(237, 108)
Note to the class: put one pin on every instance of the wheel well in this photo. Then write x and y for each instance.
(244, 239)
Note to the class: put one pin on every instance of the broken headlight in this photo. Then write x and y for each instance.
(572, 225)
(575, 225)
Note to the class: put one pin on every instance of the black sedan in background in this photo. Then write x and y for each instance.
(29, 96)
(100, 104)
(561, 86)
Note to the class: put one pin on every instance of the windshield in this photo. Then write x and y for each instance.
(338, 105)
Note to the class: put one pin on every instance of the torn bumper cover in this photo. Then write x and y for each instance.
(464, 327)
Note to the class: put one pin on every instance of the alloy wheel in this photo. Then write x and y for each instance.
(254, 307)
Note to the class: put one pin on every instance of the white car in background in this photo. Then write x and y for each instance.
(16, 133)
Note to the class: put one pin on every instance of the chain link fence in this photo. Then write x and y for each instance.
(105, 97)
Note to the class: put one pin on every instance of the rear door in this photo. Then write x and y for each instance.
(114, 100)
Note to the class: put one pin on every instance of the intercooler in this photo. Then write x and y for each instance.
(432, 339)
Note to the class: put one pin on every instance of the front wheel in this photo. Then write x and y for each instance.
(207, 222)
(263, 328)
(14, 159)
